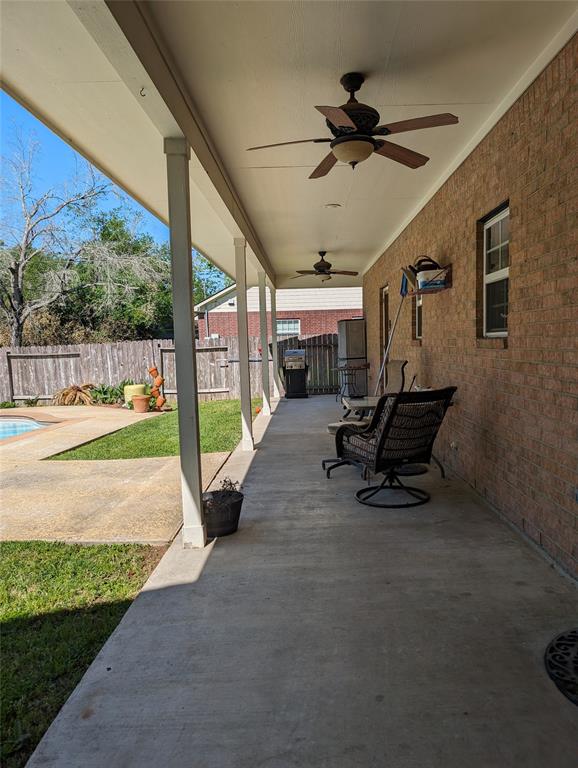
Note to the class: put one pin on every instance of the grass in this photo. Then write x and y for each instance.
(220, 430)
(58, 605)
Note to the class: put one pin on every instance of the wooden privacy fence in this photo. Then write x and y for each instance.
(321, 358)
(29, 372)
(217, 368)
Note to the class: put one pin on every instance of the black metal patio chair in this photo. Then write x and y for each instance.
(395, 382)
(402, 431)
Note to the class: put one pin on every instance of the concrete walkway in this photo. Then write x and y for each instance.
(128, 500)
(328, 634)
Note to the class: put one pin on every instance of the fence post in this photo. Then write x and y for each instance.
(10, 379)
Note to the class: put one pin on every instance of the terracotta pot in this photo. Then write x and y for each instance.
(154, 372)
(158, 382)
(141, 403)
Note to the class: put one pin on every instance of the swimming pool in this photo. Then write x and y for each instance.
(14, 426)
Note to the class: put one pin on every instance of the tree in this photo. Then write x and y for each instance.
(37, 256)
(70, 268)
(207, 278)
(53, 243)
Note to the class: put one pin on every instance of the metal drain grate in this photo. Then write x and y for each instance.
(561, 659)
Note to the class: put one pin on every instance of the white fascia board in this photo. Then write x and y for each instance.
(138, 28)
(216, 299)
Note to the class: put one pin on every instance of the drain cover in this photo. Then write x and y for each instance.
(561, 660)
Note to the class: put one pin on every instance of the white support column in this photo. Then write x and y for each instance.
(264, 344)
(178, 153)
(243, 334)
(275, 351)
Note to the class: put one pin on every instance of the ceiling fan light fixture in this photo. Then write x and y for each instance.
(352, 150)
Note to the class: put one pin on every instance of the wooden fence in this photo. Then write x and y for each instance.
(29, 372)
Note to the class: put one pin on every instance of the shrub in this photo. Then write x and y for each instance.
(106, 394)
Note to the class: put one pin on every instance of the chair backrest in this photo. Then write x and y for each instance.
(394, 376)
(408, 426)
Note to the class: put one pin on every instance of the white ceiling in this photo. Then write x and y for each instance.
(252, 73)
(255, 70)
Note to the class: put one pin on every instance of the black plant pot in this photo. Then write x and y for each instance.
(222, 512)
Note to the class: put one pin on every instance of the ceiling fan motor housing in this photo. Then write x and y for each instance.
(365, 118)
(322, 265)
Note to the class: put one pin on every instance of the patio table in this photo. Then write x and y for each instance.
(362, 405)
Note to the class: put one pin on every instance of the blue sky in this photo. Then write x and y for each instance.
(56, 160)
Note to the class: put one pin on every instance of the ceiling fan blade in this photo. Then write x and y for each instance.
(415, 123)
(324, 166)
(401, 154)
(343, 272)
(337, 117)
(306, 271)
(285, 143)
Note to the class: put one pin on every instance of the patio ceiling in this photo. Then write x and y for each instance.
(233, 75)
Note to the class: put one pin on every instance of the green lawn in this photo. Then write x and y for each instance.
(58, 605)
(220, 428)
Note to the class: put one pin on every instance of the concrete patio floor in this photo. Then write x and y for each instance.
(328, 634)
(124, 500)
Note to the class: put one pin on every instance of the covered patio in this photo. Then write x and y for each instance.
(326, 633)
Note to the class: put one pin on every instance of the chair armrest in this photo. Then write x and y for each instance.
(343, 432)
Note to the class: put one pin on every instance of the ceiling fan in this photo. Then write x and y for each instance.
(322, 268)
(354, 126)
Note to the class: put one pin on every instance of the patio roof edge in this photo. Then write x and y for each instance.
(135, 23)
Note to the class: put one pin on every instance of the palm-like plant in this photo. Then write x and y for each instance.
(74, 395)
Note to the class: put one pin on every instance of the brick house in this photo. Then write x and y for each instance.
(506, 332)
(300, 312)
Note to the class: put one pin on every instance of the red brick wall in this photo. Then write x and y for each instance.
(515, 422)
(313, 322)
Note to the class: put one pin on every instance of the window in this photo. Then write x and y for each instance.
(496, 273)
(418, 317)
(288, 327)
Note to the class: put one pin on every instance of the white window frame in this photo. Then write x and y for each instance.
(289, 320)
(418, 325)
(494, 277)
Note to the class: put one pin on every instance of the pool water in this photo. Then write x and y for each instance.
(13, 427)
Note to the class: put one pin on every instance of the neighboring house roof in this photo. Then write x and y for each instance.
(288, 299)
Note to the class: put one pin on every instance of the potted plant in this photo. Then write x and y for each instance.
(222, 508)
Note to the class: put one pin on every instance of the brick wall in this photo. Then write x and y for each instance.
(516, 417)
(313, 322)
